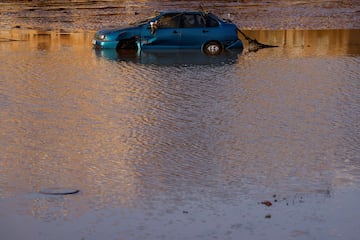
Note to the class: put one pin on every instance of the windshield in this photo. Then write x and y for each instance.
(141, 22)
(144, 21)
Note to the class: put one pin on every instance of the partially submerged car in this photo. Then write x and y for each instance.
(174, 30)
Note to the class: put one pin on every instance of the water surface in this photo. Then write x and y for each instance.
(167, 146)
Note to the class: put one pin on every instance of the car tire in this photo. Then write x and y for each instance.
(212, 48)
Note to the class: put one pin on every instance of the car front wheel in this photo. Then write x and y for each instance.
(212, 48)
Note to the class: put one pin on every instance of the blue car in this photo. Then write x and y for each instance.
(174, 30)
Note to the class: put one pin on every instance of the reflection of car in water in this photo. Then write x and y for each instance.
(174, 30)
(169, 56)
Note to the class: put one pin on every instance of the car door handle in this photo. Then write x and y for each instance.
(175, 31)
(205, 31)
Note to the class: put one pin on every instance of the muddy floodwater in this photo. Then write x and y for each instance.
(176, 145)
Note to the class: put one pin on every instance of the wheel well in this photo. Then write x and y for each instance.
(129, 43)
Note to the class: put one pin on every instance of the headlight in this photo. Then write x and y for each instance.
(100, 36)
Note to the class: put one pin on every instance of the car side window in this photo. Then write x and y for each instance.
(169, 21)
(192, 21)
(211, 22)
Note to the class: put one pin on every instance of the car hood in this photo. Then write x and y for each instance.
(117, 30)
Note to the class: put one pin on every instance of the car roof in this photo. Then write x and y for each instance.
(190, 12)
(183, 11)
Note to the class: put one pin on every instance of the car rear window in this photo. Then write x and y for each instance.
(192, 21)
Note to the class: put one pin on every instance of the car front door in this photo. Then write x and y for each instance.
(166, 33)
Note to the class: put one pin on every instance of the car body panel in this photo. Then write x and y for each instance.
(165, 38)
(172, 30)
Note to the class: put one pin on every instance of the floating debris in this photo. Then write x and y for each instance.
(267, 203)
(59, 191)
(268, 216)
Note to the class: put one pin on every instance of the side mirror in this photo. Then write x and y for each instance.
(153, 26)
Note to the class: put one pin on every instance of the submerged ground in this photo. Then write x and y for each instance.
(176, 145)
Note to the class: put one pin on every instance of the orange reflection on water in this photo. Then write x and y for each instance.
(43, 39)
(302, 42)
(71, 118)
(311, 42)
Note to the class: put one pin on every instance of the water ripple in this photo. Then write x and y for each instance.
(128, 133)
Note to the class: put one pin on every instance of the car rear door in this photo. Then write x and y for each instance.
(193, 30)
